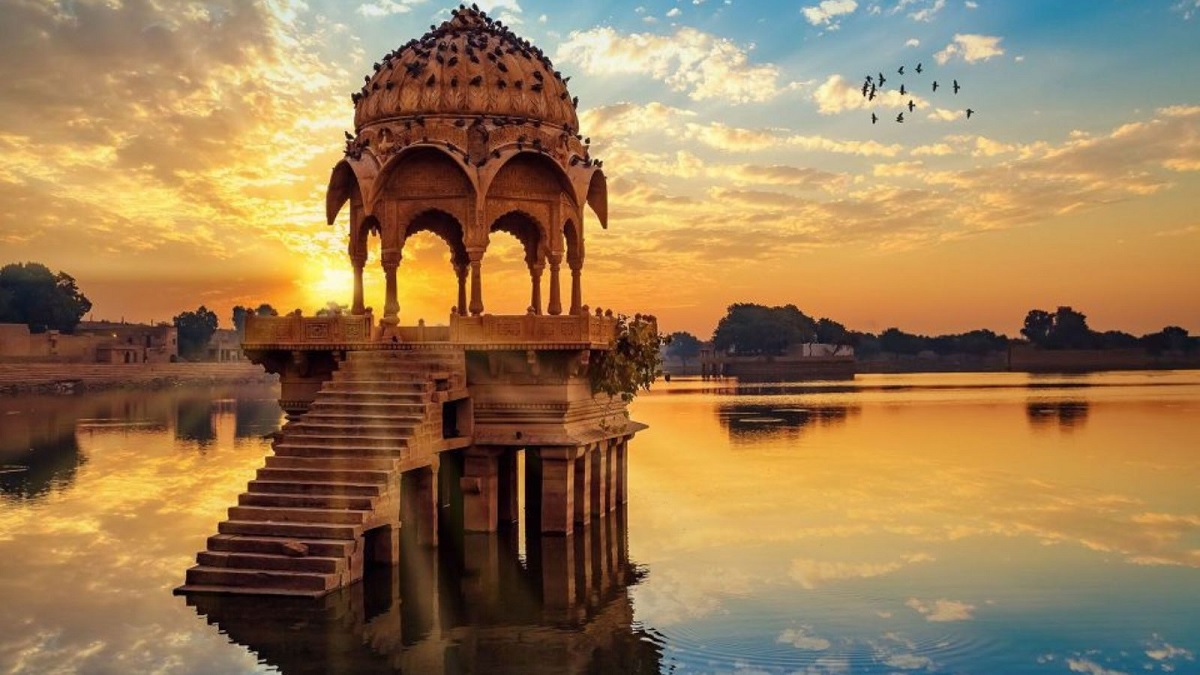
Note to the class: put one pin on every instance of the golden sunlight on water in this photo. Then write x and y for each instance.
(993, 523)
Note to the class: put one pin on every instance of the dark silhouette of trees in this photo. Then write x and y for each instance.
(333, 308)
(33, 295)
(195, 330)
(240, 313)
(748, 328)
(1064, 329)
(1169, 339)
(683, 345)
(832, 333)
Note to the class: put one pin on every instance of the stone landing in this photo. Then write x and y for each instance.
(329, 499)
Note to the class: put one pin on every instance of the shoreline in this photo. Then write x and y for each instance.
(20, 379)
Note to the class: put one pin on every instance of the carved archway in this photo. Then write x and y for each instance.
(531, 235)
(447, 228)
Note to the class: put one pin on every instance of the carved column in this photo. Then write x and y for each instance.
(476, 282)
(358, 262)
(583, 488)
(555, 307)
(419, 505)
(460, 271)
(576, 286)
(535, 295)
(391, 305)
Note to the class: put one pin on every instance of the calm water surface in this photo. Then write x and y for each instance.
(998, 523)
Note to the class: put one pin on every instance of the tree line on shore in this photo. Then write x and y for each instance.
(754, 329)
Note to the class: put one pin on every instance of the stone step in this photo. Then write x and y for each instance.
(324, 548)
(203, 575)
(293, 530)
(324, 416)
(347, 449)
(195, 591)
(280, 514)
(367, 406)
(324, 475)
(345, 392)
(393, 442)
(266, 561)
(306, 501)
(312, 487)
(349, 462)
(377, 385)
(306, 429)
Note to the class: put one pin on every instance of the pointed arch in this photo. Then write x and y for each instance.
(528, 230)
(349, 178)
(597, 196)
(442, 225)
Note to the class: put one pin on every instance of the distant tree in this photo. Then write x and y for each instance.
(1115, 339)
(333, 308)
(240, 313)
(683, 345)
(897, 341)
(865, 344)
(1064, 329)
(195, 330)
(1169, 339)
(33, 295)
(831, 332)
(749, 328)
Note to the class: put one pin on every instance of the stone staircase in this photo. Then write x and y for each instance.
(300, 527)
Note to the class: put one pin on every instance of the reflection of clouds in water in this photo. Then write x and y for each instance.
(813, 573)
(828, 665)
(106, 553)
(1164, 657)
(673, 597)
(1089, 667)
(942, 610)
(1161, 650)
(802, 638)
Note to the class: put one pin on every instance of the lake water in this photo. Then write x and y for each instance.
(998, 523)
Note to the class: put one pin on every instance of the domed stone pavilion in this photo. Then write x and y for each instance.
(411, 432)
(467, 131)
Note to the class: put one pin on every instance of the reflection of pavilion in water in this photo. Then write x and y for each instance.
(763, 421)
(471, 605)
(1067, 414)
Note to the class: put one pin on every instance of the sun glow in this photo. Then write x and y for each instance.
(325, 284)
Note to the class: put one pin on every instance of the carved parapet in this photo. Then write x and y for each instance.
(548, 332)
(283, 332)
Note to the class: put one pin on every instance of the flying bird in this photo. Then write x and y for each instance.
(911, 105)
(866, 86)
(935, 85)
(918, 68)
(871, 97)
(969, 113)
(956, 87)
(870, 79)
(900, 118)
(901, 90)
(874, 118)
(882, 79)
(900, 70)
(349, 136)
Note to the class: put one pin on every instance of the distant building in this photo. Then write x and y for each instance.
(225, 345)
(812, 360)
(92, 342)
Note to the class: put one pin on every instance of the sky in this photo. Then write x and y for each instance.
(172, 154)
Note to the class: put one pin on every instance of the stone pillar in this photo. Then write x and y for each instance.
(507, 494)
(358, 262)
(461, 271)
(558, 490)
(576, 287)
(535, 293)
(583, 488)
(419, 505)
(391, 304)
(623, 471)
(558, 573)
(610, 468)
(555, 307)
(600, 479)
(480, 489)
(476, 282)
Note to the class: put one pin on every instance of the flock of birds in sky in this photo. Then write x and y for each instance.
(872, 85)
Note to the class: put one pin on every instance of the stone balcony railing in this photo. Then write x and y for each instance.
(348, 331)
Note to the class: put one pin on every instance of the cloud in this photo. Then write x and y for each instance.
(971, 48)
(674, 12)
(388, 7)
(971, 4)
(811, 574)
(734, 139)
(943, 115)
(703, 65)
(912, 42)
(942, 610)
(620, 120)
(927, 13)
(827, 12)
(1188, 8)
(837, 95)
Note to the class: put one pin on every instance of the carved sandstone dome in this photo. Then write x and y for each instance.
(470, 66)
